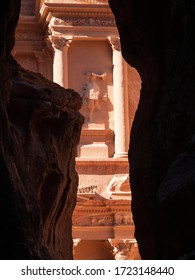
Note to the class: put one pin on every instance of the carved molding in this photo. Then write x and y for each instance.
(115, 43)
(90, 210)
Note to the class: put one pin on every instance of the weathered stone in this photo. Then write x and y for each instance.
(40, 128)
(157, 39)
(58, 49)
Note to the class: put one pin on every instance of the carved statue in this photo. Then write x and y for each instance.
(92, 94)
(119, 183)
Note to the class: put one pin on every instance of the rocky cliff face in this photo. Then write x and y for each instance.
(39, 131)
(158, 39)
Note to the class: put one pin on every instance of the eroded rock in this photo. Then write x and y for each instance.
(158, 39)
(40, 129)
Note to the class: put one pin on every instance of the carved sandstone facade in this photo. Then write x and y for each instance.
(76, 44)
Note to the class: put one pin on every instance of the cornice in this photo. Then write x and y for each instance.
(47, 10)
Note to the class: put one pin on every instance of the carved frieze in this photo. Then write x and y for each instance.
(83, 21)
(94, 212)
(94, 220)
(103, 219)
(122, 219)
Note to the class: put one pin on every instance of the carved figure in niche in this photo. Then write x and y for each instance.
(92, 94)
(119, 183)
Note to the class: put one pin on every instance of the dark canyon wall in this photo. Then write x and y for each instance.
(40, 128)
(158, 39)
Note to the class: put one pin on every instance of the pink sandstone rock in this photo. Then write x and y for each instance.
(39, 131)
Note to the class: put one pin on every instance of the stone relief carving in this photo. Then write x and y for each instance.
(60, 42)
(123, 219)
(88, 189)
(94, 220)
(92, 93)
(119, 183)
(82, 21)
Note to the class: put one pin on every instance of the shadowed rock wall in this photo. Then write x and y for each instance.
(39, 131)
(158, 39)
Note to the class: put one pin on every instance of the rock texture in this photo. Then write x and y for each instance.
(39, 131)
(158, 39)
(27, 7)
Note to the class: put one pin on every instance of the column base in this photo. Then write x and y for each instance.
(121, 155)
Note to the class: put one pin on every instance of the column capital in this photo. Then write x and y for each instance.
(125, 249)
(59, 42)
(115, 43)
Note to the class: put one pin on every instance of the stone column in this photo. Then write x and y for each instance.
(60, 61)
(120, 100)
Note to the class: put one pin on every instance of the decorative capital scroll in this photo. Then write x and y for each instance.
(60, 42)
(115, 43)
